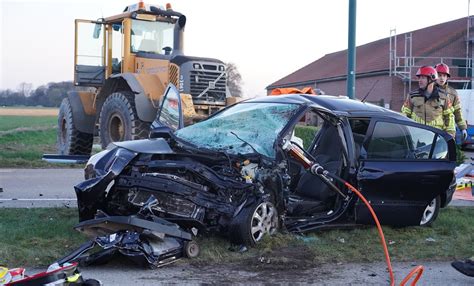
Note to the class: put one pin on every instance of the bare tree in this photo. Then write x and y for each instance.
(234, 80)
(25, 88)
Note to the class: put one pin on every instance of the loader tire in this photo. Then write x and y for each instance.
(119, 121)
(71, 141)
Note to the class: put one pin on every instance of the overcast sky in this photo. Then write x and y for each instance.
(267, 40)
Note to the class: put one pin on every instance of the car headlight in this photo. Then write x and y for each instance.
(99, 163)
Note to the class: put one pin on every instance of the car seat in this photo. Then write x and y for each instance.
(312, 194)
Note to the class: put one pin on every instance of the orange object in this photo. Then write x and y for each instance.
(292, 90)
(417, 270)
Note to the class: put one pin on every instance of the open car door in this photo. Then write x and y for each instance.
(393, 151)
(170, 113)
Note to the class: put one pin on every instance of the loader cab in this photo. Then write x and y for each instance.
(140, 40)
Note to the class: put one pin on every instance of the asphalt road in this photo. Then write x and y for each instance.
(185, 273)
(39, 187)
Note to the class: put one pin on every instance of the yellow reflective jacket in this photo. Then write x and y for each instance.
(435, 111)
(456, 103)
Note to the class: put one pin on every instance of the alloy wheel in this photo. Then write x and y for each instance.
(264, 221)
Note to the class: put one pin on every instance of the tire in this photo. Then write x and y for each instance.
(119, 121)
(253, 223)
(431, 212)
(71, 141)
(191, 249)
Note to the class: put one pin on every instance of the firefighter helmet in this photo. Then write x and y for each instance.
(427, 71)
(442, 68)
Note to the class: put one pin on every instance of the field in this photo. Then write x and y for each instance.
(23, 111)
(25, 135)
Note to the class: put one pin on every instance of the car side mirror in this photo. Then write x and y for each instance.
(161, 132)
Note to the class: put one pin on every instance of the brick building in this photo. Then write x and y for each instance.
(388, 66)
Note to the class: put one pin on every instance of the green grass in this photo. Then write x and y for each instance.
(14, 122)
(25, 148)
(37, 237)
(24, 140)
(306, 133)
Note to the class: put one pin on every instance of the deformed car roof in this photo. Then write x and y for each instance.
(335, 103)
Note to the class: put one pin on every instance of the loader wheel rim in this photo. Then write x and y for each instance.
(116, 128)
(264, 221)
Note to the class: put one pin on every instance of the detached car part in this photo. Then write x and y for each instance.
(144, 238)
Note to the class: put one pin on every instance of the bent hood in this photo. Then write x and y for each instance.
(149, 146)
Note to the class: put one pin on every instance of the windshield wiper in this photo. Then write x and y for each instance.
(232, 132)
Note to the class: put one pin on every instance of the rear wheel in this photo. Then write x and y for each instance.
(253, 223)
(431, 212)
(119, 120)
(71, 141)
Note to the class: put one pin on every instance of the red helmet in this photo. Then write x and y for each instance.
(442, 68)
(428, 71)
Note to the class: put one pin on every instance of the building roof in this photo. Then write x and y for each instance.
(374, 56)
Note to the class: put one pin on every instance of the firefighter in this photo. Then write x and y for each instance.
(427, 105)
(442, 81)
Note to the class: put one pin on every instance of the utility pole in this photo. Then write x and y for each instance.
(351, 50)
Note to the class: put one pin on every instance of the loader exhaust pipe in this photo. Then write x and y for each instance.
(178, 36)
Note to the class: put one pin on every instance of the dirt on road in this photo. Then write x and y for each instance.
(267, 272)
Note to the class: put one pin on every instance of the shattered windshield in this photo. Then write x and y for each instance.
(243, 128)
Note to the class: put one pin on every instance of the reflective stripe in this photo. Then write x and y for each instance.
(407, 111)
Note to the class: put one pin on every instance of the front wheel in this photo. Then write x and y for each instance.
(119, 120)
(253, 223)
(431, 212)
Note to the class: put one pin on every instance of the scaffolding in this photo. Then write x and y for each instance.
(405, 65)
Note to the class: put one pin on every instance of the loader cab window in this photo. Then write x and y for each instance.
(152, 37)
(117, 38)
(90, 44)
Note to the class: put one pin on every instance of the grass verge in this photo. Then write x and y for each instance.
(24, 140)
(10, 122)
(37, 237)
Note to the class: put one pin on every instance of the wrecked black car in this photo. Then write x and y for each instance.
(231, 174)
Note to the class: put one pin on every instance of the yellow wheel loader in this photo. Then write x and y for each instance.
(122, 65)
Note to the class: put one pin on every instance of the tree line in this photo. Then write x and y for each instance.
(49, 95)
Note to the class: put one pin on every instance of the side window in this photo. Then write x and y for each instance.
(396, 141)
(359, 128)
(306, 129)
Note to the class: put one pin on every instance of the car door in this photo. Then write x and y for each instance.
(403, 167)
(170, 113)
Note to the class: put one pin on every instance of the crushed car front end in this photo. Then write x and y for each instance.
(202, 177)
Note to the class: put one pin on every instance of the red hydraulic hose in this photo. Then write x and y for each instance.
(418, 270)
(298, 153)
